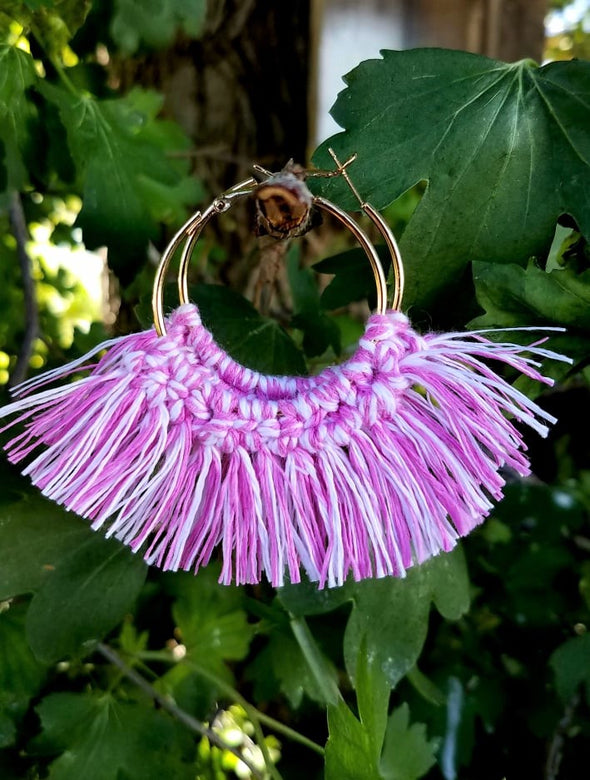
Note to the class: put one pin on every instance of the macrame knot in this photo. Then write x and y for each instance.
(363, 470)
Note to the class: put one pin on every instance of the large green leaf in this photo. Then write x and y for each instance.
(100, 738)
(505, 150)
(155, 22)
(128, 180)
(17, 74)
(86, 595)
(35, 536)
(21, 675)
(390, 614)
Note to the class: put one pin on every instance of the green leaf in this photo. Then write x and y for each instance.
(21, 675)
(17, 74)
(281, 666)
(210, 619)
(459, 120)
(514, 297)
(35, 536)
(390, 614)
(155, 22)
(319, 330)
(372, 695)
(349, 751)
(407, 753)
(100, 738)
(53, 22)
(121, 154)
(251, 339)
(571, 664)
(353, 280)
(86, 595)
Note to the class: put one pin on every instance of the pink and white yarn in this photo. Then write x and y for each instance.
(363, 470)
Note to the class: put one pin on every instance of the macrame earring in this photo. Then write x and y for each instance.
(364, 470)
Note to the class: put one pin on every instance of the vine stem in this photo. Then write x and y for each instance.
(183, 717)
(18, 225)
(232, 693)
(315, 660)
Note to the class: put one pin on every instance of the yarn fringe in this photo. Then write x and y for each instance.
(374, 465)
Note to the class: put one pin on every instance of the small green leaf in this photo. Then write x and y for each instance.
(407, 753)
(210, 619)
(513, 296)
(281, 666)
(84, 598)
(17, 74)
(457, 120)
(100, 738)
(155, 23)
(571, 664)
(21, 675)
(35, 536)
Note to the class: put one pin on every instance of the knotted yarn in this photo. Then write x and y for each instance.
(365, 469)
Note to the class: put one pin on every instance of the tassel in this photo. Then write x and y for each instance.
(364, 470)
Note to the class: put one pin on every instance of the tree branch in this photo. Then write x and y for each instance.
(184, 717)
(555, 752)
(18, 225)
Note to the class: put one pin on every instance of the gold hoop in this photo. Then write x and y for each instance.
(194, 226)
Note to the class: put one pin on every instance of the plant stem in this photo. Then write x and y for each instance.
(250, 710)
(184, 717)
(18, 225)
(231, 693)
(315, 660)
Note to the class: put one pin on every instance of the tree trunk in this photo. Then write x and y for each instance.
(504, 29)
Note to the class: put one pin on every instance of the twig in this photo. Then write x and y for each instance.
(555, 752)
(254, 713)
(184, 717)
(18, 225)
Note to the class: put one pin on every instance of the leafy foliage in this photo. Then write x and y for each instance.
(130, 739)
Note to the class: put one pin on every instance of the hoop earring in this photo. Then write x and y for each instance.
(364, 470)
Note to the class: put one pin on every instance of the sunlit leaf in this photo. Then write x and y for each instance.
(124, 171)
(17, 74)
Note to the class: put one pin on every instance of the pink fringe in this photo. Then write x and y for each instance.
(366, 469)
